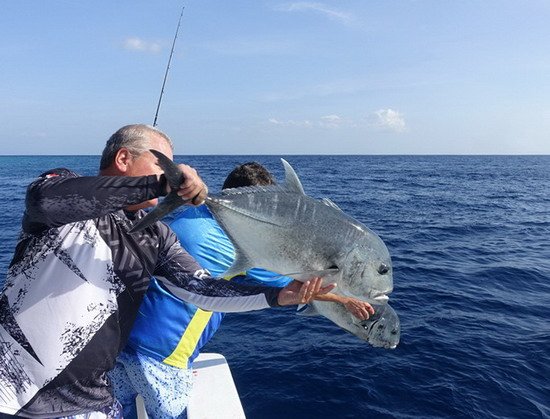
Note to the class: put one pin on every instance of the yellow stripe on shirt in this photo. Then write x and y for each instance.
(188, 342)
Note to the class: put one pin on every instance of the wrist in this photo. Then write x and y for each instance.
(343, 300)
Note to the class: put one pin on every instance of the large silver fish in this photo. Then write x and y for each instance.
(281, 229)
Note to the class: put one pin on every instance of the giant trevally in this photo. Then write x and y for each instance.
(281, 229)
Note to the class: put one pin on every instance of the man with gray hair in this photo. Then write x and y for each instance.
(78, 276)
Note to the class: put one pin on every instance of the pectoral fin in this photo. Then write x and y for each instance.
(307, 310)
(241, 263)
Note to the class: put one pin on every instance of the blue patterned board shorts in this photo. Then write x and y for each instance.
(165, 389)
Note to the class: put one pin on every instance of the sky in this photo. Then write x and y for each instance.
(278, 77)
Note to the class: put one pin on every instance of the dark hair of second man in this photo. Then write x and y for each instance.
(248, 174)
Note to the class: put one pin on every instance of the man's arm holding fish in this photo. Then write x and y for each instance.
(360, 309)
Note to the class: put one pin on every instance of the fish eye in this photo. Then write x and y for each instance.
(383, 269)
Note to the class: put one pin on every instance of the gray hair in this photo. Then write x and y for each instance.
(136, 138)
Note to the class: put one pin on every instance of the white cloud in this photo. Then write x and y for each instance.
(331, 121)
(291, 123)
(137, 44)
(328, 121)
(317, 7)
(389, 119)
(382, 119)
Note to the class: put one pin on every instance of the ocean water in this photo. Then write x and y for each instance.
(469, 237)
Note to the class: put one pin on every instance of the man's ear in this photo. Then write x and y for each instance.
(123, 158)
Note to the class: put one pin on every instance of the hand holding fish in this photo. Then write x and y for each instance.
(192, 187)
(358, 308)
(184, 186)
(302, 293)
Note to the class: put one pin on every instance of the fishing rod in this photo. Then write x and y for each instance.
(168, 67)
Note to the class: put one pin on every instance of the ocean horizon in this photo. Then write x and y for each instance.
(469, 239)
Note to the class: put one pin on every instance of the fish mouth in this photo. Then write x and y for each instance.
(383, 345)
(381, 298)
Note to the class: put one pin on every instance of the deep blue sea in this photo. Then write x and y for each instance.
(470, 242)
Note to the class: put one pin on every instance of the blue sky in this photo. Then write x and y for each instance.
(278, 77)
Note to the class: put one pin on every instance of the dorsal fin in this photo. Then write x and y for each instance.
(292, 183)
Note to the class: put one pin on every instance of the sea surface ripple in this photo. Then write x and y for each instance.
(469, 238)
